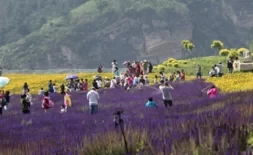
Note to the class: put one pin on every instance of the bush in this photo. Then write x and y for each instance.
(184, 62)
(161, 68)
(224, 52)
(171, 60)
(165, 63)
(241, 50)
(175, 65)
(233, 53)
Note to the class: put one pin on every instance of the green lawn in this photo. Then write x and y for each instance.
(189, 65)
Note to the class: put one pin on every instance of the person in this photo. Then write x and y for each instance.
(99, 83)
(99, 70)
(107, 82)
(54, 88)
(142, 81)
(172, 77)
(7, 97)
(212, 72)
(178, 77)
(146, 80)
(150, 67)
(166, 94)
(236, 64)
(212, 92)
(151, 103)
(145, 67)
(135, 81)
(220, 66)
(156, 79)
(230, 65)
(113, 83)
(198, 74)
(116, 71)
(162, 77)
(29, 96)
(114, 65)
(50, 87)
(63, 108)
(95, 84)
(2, 104)
(182, 75)
(25, 87)
(85, 85)
(47, 103)
(41, 91)
(217, 70)
(67, 101)
(93, 98)
(25, 104)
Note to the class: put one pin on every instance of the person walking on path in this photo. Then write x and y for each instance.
(93, 98)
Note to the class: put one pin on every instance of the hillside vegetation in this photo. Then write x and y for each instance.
(52, 34)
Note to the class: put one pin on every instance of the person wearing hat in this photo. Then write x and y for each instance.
(93, 98)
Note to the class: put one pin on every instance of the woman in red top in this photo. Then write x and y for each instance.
(85, 85)
(46, 102)
(182, 75)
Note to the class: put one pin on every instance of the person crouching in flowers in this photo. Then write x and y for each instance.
(25, 104)
(47, 103)
(151, 103)
(212, 92)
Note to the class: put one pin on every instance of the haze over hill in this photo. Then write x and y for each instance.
(43, 34)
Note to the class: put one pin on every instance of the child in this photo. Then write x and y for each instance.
(67, 101)
(41, 91)
(25, 104)
(151, 104)
(63, 108)
(47, 103)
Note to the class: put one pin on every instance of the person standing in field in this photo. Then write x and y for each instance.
(114, 65)
(25, 104)
(166, 94)
(198, 74)
(93, 98)
(236, 64)
(50, 87)
(25, 88)
(230, 65)
(47, 103)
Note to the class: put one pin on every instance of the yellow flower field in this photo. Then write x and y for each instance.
(234, 82)
(228, 83)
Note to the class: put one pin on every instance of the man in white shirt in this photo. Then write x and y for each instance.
(93, 98)
(166, 94)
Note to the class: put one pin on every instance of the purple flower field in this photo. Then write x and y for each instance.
(194, 125)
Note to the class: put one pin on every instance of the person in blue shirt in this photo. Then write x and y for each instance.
(151, 104)
(135, 81)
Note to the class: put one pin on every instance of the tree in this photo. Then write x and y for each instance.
(188, 46)
(224, 52)
(217, 45)
(233, 53)
(241, 50)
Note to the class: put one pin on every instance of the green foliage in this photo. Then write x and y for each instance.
(187, 45)
(241, 50)
(171, 60)
(224, 52)
(176, 65)
(233, 53)
(161, 68)
(217, 45)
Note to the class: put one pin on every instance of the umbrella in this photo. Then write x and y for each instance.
(71, 77)
(4, 81)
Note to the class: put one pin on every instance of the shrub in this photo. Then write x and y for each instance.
(175, 65)
(161, 68)
(165, 63)
(241, 50)
(224, 52)
(171, 60)
(233, 53)
(184, 62)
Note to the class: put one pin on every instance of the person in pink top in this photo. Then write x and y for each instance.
(212, 92)
(85, 85)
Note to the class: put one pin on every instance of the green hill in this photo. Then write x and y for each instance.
(53, 34)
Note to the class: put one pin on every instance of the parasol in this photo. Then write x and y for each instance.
(4, 81)
(72, 76)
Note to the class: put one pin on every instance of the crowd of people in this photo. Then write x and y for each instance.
(135, 76)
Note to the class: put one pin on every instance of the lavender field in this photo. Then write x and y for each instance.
(194, 125)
